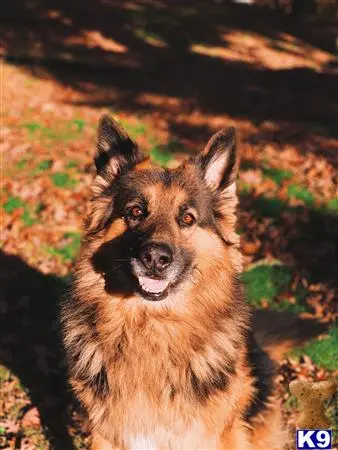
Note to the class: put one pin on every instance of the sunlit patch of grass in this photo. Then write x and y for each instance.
(30, 215)
(301, 193)
(28, 218)
(79, 124)
(22, 163)
(68, 248)
(277, 175)
(72, 164)
(32, 128)
(160, 155)
(133, 129)
(322, 351)
(4, 374)
(63, 180)
(12, 204)
(61, 132)
(46, 164)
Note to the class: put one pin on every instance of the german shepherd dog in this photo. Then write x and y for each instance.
(156, 329)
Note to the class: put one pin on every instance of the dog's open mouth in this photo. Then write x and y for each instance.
(153, 288)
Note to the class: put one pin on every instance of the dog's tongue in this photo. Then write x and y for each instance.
(153, 285)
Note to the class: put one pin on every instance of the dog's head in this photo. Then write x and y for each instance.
(151, 228)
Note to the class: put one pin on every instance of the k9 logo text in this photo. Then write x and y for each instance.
(314, 439)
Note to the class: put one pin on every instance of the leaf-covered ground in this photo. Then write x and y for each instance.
(172, 75)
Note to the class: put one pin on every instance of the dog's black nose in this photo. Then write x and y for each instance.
(156, 256)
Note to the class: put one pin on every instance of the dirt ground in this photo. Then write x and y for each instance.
(172, 73)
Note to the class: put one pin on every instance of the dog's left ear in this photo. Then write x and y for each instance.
(219, 165)
(219, 161)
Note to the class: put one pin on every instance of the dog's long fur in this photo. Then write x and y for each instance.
(184, 372)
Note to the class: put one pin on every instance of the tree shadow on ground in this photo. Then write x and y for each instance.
(30, 345)
(214, 58)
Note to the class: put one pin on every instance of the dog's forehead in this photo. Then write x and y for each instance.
(159, 185)
(170, 197)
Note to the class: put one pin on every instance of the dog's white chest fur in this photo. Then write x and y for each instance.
(192, 438)
(140, 442)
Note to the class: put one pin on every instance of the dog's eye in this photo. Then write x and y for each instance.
(136, 212)
(187, 220)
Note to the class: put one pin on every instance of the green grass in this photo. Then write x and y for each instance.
(12, 204)
(66, 131)
(134, 129)
(277, 175)
(69, 250)
(332, 205)
(79, 124)
(28, 218)
(323, 352)
(266, 281)
(161, 155)
(63, 180)
(284, 305)
(22, 163)
(4, 373)
(44, 165)
(270, 206)
(72, 164)
(301, 193)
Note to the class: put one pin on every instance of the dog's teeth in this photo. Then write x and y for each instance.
(152, 285)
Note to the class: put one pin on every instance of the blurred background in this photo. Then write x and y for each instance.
(172, 73)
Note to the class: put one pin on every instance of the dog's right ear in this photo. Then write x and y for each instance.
(115, 152)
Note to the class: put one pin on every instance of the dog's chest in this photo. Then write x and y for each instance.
(152, 408)
(158, 429)
(162, 416)
(192, 438)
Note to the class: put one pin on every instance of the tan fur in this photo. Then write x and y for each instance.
(144, 165)
(160, 357)
(117, 228)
